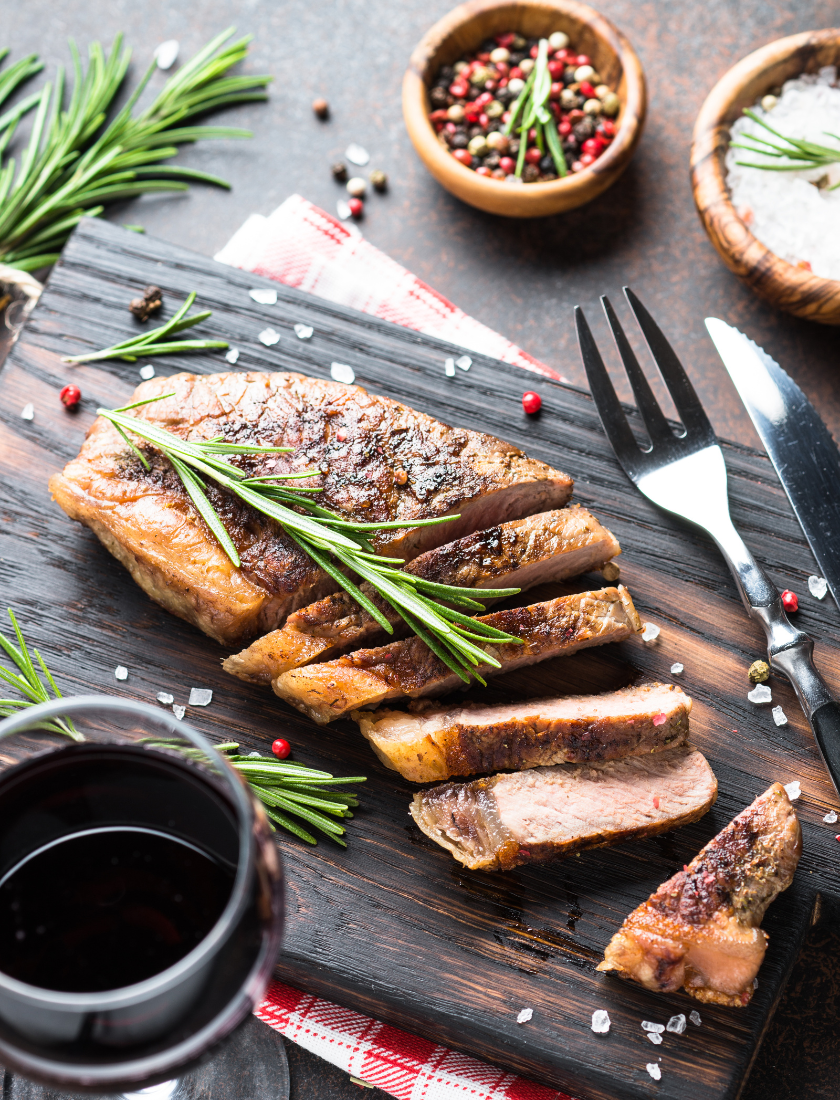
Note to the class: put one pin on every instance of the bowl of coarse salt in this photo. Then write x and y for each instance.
(778, 230)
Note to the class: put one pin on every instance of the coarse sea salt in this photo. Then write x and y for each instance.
(120, 672)
(265, 296)
(166, 53)
(269, 337)
(654, 1037)
(793, 790)
(601, 1021)
(147, 372)
(303, 332)
(761, 693)
(779, 716)
(341, 372)
(654, 1070)
(165, 698)
(818, 586)
(179, 712)
(648, 1026)
(676, 1024)
(786, 211)
(449, 367)
(357, 154)
(525, 1015)
(830, 818)
(695, 1018)
(200, 697)
(464, 362)
(650, 633)
(677, 669)
(343, 210)
(232, 356)
(28, 411)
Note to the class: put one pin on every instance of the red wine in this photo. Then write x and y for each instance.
(108, 907)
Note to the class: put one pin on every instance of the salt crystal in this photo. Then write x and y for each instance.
(818, 586)
(648, 1026)
(779, 716)
(200, 697)
(264, 295)
(28, 411)
(654, 1037)
(179, 712)
(357, 154)
(676, 1024)
(340, 372)
(147, 372)
(343, 210)
(677, 669)
(269, 337)
(449, 367)
(830, 818)
(761, 693)
(121, 672)
(793, 790)
(524, 1015)
(166, 53)
(165, 698)
(464, 362)
(257, 754)
(654, 1070)
(232, 356)
(304, 332)
(650, 633)
(695, 1018)
(600, 1021)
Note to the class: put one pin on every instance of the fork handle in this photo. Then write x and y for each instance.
(789, 650)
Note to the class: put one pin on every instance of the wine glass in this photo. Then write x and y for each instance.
(141, 902)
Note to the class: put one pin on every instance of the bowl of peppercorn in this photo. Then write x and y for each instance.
(524, 108)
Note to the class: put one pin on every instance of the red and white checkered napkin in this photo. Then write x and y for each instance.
(304, 247)
(400, 1064)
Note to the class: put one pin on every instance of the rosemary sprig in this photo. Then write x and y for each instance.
(797, 155)
(339, 546)
(532, 105)
(75, 163)
(153, 342)
(29, 683)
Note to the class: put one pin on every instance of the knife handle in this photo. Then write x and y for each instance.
(825, 722)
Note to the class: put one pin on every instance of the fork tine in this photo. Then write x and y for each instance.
(606, 400)
(656, 424)
(682, 392)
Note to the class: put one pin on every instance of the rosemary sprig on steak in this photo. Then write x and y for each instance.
(335, 544)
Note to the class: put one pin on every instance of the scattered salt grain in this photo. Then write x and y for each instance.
(357, 154)
(265, 296)
(449, 367)
(648, 1026)
(654, 1070)
(304, 332)
(340, 372)
(257, 754)
(830, 818)
(524, 1015)
(695, 1018)
(761, 693)
(200, 697)
(779, 716)
(650, 633)
(818, 586)
(600, 1021)
(269, 337)
(343, 210)
(232, 356)
(28, 411)
(793, 790)
(165, 698)
(654, 1037)
(676, 1024)
(166, 53)
(464, 362)
(120, 672)
(147, 372)
(179, 712)
(677, 669)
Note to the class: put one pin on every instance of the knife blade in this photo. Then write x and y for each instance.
(800, 446)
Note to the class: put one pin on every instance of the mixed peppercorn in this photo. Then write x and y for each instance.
(523, 109)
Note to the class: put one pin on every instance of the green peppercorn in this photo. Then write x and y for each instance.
(759, 672)
(378, 180)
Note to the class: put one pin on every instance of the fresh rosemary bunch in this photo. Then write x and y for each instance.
(75, 161)
(796, 154)
(29, 683)
(153, 342)
(337, 545)
(532, 105)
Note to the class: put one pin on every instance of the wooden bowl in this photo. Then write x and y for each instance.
(780, 283)
(460, 32)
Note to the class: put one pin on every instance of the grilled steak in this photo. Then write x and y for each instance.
(370, 676)
(381, 461)
(436, 742)
(700, 930)
(531, 816)
(518, 554)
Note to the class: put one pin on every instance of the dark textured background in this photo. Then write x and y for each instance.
(521, 278)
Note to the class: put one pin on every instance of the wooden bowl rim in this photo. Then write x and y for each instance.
(708, 160)
(613, 160)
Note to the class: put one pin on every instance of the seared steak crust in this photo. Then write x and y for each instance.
(380, 461)
(519, 554)
(369, 676)
(533, 816)
(700, 930)
(428, 743)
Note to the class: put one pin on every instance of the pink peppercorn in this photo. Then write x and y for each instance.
(483, 171)
(281, 748)
(582, 59)
(531, 402)
(556, 68)
(507, 165)
(790, 601)
(533, 156)
(70, 396)
(464, 156)
(586, 90)
(356, 207)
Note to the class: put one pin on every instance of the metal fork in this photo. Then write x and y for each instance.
(686, 475)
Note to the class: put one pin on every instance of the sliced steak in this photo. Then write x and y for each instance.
(369, 676)
(531, 816)
(700, 930)
(380, 460)
(518, 554)
(436, 742)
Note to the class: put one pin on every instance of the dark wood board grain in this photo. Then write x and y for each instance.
(392, 926)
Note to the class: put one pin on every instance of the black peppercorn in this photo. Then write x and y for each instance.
(446, 74)
(339, 171)
(459, 141)
(513, 148)
(144, 307)
(439, 97)
(547, 165)
(492, 160)
(530, 173)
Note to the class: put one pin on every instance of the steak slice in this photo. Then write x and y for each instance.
(700, 930)
(369, 676)
(531, 816)
(436, 742)
(380, 461)
(518, 554)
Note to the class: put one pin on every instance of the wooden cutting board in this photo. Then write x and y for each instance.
(392, 926)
